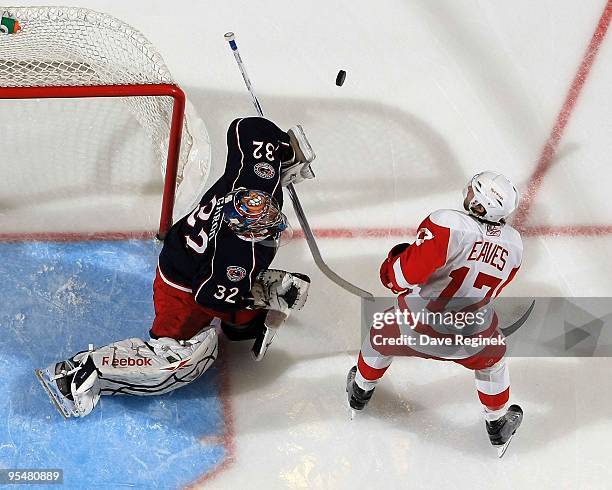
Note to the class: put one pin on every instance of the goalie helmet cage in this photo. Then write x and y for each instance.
(68, 53)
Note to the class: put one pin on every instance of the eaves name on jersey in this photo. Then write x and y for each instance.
(457, 263)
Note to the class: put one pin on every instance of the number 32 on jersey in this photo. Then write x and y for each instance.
(226, 294)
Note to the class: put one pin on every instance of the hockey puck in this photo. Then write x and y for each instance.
(340, 78)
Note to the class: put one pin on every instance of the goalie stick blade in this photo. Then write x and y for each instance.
(263, 342)
(60, 402)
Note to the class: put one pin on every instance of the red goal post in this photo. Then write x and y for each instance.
(73, 53)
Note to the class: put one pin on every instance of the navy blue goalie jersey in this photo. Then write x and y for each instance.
(201, 254)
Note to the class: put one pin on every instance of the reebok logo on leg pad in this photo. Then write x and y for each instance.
(125, 362)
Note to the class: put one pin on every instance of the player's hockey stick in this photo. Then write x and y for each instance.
(510, 329)
(297, 206)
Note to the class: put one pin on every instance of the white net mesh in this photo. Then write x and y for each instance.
(128, 136)
(74, 46)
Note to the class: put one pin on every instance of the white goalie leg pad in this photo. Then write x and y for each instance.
(136, 367)
(299, 169)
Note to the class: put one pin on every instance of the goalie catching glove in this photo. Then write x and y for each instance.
(298, 168)
(280, 291)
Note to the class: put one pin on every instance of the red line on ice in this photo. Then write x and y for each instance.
(535, 181)
(552, 144)
(527, 231)
(321, 233)
(227, 438)
(43, 236)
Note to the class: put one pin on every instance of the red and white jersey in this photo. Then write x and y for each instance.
(455, 255)
(456, 263)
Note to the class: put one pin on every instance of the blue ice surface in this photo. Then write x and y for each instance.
(56, 299)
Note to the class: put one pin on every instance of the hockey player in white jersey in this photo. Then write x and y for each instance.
(459, 262)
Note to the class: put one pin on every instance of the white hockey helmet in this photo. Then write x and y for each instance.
(495, 193)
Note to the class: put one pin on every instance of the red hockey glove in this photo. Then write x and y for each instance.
(398, 249)
(386, 269)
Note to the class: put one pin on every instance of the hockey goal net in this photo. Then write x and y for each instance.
(89, 113)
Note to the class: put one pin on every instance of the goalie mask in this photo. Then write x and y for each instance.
(253, 215)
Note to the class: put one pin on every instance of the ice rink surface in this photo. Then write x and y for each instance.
(435, 91)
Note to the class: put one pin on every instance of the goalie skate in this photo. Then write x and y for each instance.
(63, 402)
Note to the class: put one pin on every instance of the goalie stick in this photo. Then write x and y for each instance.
(297, 206)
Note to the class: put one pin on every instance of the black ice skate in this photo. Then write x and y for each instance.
(502, 430)
(357, 397)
